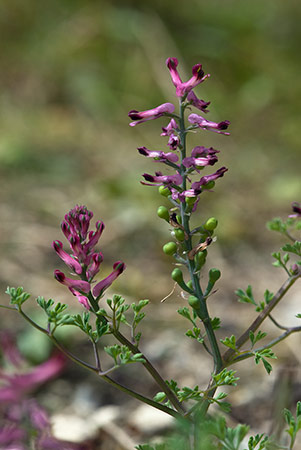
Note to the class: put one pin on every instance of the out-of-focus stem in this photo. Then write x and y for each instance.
(261, 317)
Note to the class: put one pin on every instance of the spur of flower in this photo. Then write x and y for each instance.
(179, 185)
(84, 261)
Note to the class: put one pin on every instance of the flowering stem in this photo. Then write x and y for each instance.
(185, 216)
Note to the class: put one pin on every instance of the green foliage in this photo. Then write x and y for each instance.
(54, 312)
(122, 355)
(255, 338)
(225, 378)
(17, 295)
(246, 296)
(294, 423)
(261, 355)
(230, 342)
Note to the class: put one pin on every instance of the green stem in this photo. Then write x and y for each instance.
(152, 371)
(185, 216)
(249, 354)
(109, 380)
(147, 364)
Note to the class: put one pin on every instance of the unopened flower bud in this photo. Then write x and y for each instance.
(211, 224)
(170, 248)
(163, 213)
(294, 269)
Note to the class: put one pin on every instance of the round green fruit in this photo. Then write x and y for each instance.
(179, 234)
(170, 248)
(163, 213)
(163, 190)
(211, 224)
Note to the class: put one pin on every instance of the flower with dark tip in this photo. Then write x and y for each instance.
(150, 114)
(74, 265)
(183, 88)
(158, 155)
(79, 285)
(100, 287)
(197, 103)
(296, 210)
(205, 124)
(160, 179)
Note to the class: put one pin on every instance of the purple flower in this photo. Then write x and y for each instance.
(93, 269)
(296, 210)
(17, 385)
(204, 180)
(160, 179)
(84, 260)
(200, 161)
(158, 155)
(150, 114)
(195, 119)
(79, 285)
(118, 268)
(183, 88)
(68, 260)
(197, 103)
(170, 128)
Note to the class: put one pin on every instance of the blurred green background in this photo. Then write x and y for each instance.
(71, 71)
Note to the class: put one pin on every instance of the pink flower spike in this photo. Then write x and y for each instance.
(118, 268)
(68, 260)
(195, 119)
(150, 114)
(79, 285)
(158, 155)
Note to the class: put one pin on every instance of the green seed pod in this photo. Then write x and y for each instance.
(179, 234)
(214, 275)
(163, 213)
(163, 190)
(190, 284)
(200, 259)
(177, 275)
(211, 224)
(190, 201)
(194, 302)
(170, 248)
(209, 185)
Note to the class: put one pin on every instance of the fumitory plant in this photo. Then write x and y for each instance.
(187, 175)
